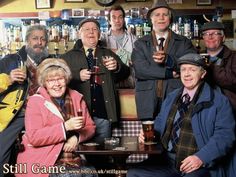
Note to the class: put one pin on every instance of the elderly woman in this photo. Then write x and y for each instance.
(56, 121)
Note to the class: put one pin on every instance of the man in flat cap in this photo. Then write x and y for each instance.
(222, 70)
(154, 58)
(95, 69)
(196, 127)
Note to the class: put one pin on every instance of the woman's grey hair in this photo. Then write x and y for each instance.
(49, 65)
(34, 28)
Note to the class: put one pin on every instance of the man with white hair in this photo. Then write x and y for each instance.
(22, 81)
(98, 88)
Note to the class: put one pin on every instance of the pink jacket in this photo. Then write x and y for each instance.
(45, 133)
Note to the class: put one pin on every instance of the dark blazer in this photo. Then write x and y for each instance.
(147, 72)
(223, 74)
(76, 59)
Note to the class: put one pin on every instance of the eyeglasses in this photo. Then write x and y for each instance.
(60, 80)
(208, 35)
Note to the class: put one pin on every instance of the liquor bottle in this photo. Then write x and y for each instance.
(139, 30)
(195, 29)
(197, 46)
(187, 29)
(146, 28)
(65, 32)
(180, 26)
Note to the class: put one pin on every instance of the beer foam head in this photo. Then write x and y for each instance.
(148, 122)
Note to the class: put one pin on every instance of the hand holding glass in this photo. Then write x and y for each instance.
(109, 62)
(106, 60)
(74, 123)
(158, 55)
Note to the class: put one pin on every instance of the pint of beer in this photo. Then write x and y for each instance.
(148, 130)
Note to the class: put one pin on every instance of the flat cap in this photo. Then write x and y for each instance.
(156, 5)
(89, 20)
(212, 25)
(194, 59)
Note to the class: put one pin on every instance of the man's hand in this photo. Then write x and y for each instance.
(190, 163)
(110, 63)
(159, 56)
(175, 74)
(17, 75)
(85, 74)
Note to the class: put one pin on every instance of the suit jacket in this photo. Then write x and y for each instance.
(45, 133)
(147, 72)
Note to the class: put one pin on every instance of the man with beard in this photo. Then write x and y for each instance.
(18, 71)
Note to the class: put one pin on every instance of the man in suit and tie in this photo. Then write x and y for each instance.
(95, 78)
(154, 59)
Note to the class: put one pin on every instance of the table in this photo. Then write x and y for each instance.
(119, 155)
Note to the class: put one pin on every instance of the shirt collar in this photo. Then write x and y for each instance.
(191, 93)
(86, 50)
(164, 36)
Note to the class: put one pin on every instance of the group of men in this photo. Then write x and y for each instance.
(163, 62)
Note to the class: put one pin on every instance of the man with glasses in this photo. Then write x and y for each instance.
(22, 80)
(222, 69)
(94, 78)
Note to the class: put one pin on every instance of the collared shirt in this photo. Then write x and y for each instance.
(164, 36)
(191, 93)
(86, 50)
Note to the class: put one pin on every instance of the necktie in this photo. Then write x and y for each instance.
(178, 121)
(161, 43)
(90, 58)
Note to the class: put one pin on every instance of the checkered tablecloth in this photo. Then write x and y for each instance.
(130, 128)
